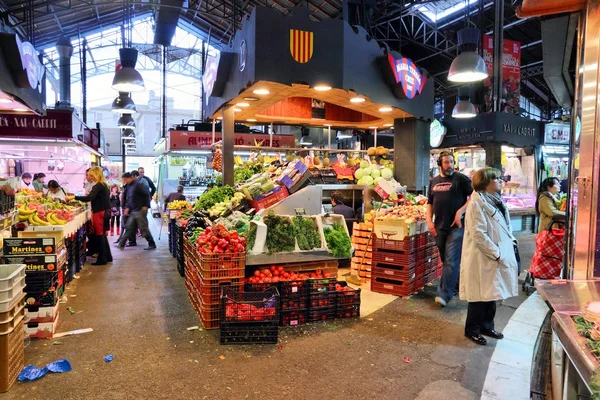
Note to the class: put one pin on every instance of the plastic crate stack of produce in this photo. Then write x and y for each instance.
(395, 266)
(12, 314)
(80, 249)
(71, 245)
(206, 277)
(294, 302)
(347, 302)
(45, 265)
(363, 256)
(249, 317)
(180, 252)
(173, 237)
(321, 299)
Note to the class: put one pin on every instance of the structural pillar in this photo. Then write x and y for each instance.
(498, 52)
(228, 127)
(411, 153)
(493, 155)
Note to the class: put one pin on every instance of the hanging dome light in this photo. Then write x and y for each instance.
(468, 66)
(126, 122)
(127, 79)
(464, 108)
(128, 135)
(305, 141)
(123, 104)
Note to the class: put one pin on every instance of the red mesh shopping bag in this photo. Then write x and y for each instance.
(549, 254)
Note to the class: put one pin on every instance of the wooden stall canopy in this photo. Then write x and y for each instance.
(539, 8)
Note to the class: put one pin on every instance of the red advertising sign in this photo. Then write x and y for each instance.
(408, 75)
(511, 74)
(55, 125)
(185, 140)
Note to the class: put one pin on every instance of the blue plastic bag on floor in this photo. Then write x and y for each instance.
(32, 373)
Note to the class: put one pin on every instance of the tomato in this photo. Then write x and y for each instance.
(257, 273)
(266, 272)
(272, 268)
(280, 269)
(276, 273)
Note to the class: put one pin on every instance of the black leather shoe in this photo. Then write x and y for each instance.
(493, 334)
(480, 340)
(99, 263)
(150, 248)
(131, 245)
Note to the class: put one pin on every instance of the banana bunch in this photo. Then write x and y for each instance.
(238, 160)
(25, 212)
(179, 205)
(54, 220)
(34, 220)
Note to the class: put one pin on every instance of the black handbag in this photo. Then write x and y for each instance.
(517, 256)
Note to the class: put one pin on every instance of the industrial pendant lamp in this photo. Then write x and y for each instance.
(464, 108)
(128, 135)
(123, 104)
(126, 122)
(127, 79)
(305, 139)
(468, 66)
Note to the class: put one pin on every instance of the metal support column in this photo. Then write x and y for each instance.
(228, 129)
(163, 100)
(498, 47)
(84, 79)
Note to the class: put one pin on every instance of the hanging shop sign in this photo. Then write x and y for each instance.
(301, 45)
(23, 61)
(437, 131)
(56, 124)
(216, 74)
(492, 127)
(557, 133)
(511, 74)
(187, 140)
(403, 75)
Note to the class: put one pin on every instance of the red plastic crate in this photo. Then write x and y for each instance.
(226, 265)
(419, 284)
(209, 292)
(322, 285)
(388, 286)
(394, 272)
(210, 315)
(425, 239)
(270, 200)
(347, 297)
(389, 258)
(424, 253)
(293, 317)
(408, 244)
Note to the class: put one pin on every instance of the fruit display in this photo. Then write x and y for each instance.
(244, 172)
(378, 151)
(222, 207)
(179, 205)
(42, 214)
(260, 185)
(407, 213)
(275, 274)
(213, 196)
(371, 174)
(218, 240)
(217, 163)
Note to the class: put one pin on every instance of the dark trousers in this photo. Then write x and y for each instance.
(480, 317)
(124, 224)
(449, 244)
(115, 220)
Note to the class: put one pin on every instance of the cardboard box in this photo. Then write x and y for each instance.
(41, 330)
(27, 246)
(41, 314)
(37, 262)
(393, 229)
(56, 235)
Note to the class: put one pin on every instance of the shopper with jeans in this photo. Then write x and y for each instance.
(448, 198)
(138, 202)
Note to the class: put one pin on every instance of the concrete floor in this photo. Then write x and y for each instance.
(140, 313)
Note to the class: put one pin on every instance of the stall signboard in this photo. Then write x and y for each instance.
(186, 140)
(23, 60)
(210, 75)
(511, 74)
(407, 76)
(437, 131)
(557, 133)
(55, 125)
(492, 127)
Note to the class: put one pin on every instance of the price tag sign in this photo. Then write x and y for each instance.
(300, 211)
(173, 214)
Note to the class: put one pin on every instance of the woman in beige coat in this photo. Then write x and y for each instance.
(488, 269)
(547, 203)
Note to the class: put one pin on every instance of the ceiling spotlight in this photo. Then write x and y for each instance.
(127, 79)
(357, 99)
(388, 125)
(126, 122)
(385, 109)
(219, 118)
(243, 105)
(468, 66)
(322, 88)
(261, 91)
(6, 101)
(464, 108)
(251, 99)
(251, 120)
(19, 109)
(237, 110)
(123, 104)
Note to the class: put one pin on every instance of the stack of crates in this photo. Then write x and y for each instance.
(427, 257)
(45, 266)
(180, 253)
(206, 277)
(395, 266)
(80, 249)
(249, 317)
(71, 245)
(321, 299)
(363, 256)
(347, 304)
(173, 237)
(12, 314)
(294, 302)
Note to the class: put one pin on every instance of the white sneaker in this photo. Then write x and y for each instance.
(440, 301)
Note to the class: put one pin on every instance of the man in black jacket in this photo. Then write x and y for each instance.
(136, 207)
(150, 183)
(131, 242)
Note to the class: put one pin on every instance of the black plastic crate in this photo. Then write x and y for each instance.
(290, 303)
(348, 311)
(293, 288)
(42, 299)
(321, 314)
(260, 287)
(40, 281)
(249, 334)
(322, 285)
(247, 307)
(293, 317)
(347, 297)
(7, 202)
(321, 299)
